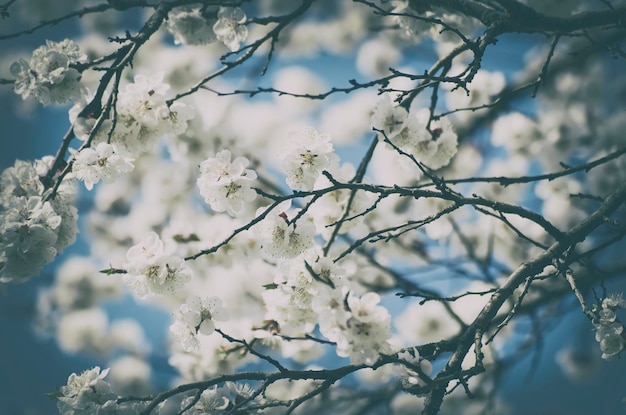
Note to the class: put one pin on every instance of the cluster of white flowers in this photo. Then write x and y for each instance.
(102, 162)
(195, 317)
(88, 394)
(308, 153)
(279, 238)
(226, 185)
(48, 76)
(311, 291)
(297, 300)
(609, 330)
(28, 236)
(432, 144)
(359, 326)
(151, 271)
(217, 400)
(32, 231)
(191, 25)
(63, 204)
(200, 26)
(230, 27)
(289, 300)
(142, 116)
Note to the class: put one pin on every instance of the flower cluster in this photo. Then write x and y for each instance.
(230, 28)
(218, 400)
(431, 142)
(289, 300)
(142, 116)
(308, 153)
(281, 238)
(32, 230)
(88, 394)
(360, 329)
(191, 25)
(104, 162)
(609, 330)
(226, 185)
(28, 237)
(85, 393)
(49, 76)
(196, 317)
(151, 271)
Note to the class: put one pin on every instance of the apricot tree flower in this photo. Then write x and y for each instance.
(190, 26)
(308, 153)
(230, 28)
(104, 162)
(48, 75)
(388, 117)
(85, 393)
(150, 271)
(609, 329)
(226, 185)
(195, 317)
(365, 332)
(281, 239)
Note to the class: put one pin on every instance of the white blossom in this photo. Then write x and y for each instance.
(413, 377)
(130, 375)
(230, 27)
(388, 118)
(226, 185)
(150, 271)
(143, 115)
(212, 400)
(195, 317)
(63, 205)
(78, 285)
(424, 323)
(615, 300)
(83, 330)
(191, 26)
(28, 235)
(611, 346)
(609, 329)
(33, 232)
(48, 76)
(281, 239)
(85, 394)
(289, 302)
(308, 153)
(22, 179)
(433, 145)
(363, 332)
(104, 162)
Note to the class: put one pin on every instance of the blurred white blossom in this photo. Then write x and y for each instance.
(49, 76)
(230, 27)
